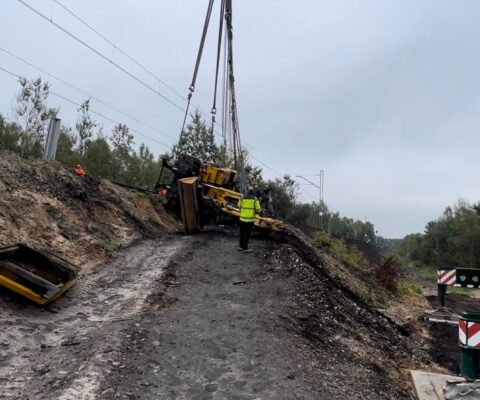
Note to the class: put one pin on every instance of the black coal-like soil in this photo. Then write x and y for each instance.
(444, 348)
(193, 318)
(256, 326)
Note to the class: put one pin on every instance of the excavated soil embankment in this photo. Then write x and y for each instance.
(44, 205)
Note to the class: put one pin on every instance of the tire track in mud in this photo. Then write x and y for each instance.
(61, 351)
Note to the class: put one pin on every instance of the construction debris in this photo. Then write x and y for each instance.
(38, 276)
(430, 386)
(462, 390)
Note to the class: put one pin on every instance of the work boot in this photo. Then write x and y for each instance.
(247, 250)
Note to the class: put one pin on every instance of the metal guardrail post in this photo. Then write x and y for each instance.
(441, 291)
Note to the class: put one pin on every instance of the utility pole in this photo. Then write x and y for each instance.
(321, 176)
(320, 201)
(50, 149)
(319, 187)
(320, 193)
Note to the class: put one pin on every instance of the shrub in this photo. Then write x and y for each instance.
(387, 275)
(110, 245)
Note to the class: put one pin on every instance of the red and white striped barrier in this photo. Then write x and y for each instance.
(447, 277)
(469, 333)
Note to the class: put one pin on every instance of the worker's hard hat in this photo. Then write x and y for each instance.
(77, 166)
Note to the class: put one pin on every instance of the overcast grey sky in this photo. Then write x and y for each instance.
(383, 95)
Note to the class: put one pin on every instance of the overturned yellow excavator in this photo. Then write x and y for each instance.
(199, 192)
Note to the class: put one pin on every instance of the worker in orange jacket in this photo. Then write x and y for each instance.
(79, 170)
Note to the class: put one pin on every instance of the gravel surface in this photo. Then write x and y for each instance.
(193, 318)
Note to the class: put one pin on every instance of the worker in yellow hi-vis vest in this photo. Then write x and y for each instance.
(249, 207)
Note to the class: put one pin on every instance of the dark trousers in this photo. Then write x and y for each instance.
(245, 232)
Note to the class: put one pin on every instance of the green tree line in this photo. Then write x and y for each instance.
(452, 240)
(114, 156)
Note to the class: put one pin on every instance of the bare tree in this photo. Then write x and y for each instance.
(33, 114)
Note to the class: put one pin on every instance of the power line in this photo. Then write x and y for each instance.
(267, 166)
(266, 156)
(10, 73)
(111, 120)
(85, 93)
(131, 129)
(120, 67)
(109, 105)
(137, 63)
(91, 48)
(89, 26)
(92, 111)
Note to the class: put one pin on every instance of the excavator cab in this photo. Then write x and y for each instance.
(185, 166)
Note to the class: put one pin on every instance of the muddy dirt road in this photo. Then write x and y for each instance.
(182, 318)
(63, 350)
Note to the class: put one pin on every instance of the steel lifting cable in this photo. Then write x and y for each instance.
(225, 12)
(224, 94)
(103, 37)
(219, 53)
(197, 63)
(237, 144)
(230, 78)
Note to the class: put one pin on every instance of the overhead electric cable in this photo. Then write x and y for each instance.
(89, 26)
(137, 63)
(92, 111)
(91, 48)
(110, 119)
(143, 83)
(85, 93)
(133, 130)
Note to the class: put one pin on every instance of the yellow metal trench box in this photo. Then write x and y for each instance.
(37, 275)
